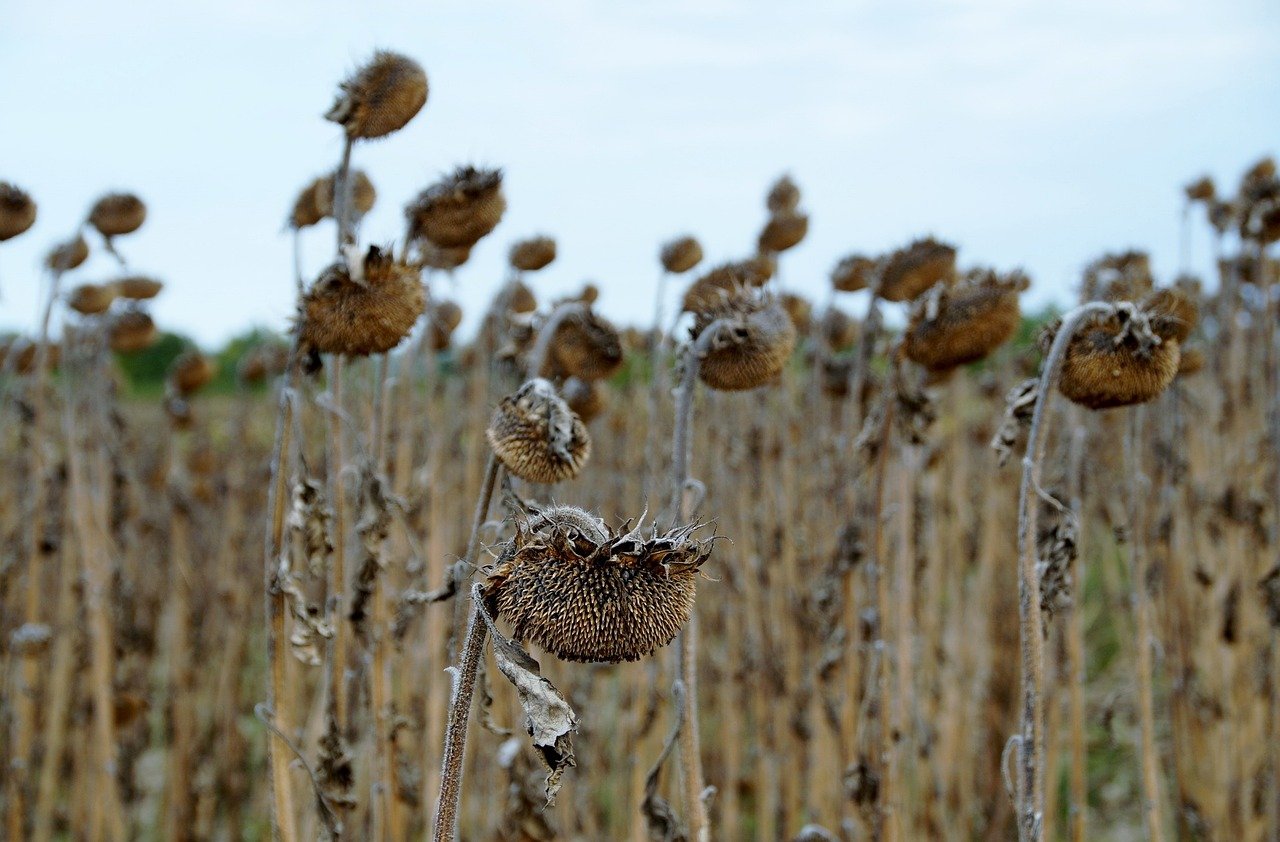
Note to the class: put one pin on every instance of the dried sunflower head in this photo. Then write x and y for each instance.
(783, 196)
(783, 231)
(68, 255)
(852, 273)
(445, 316)
(117, 213)
(138, 287)
(520, 299)
(909, 271)
(262, 361)
(306, 209)
(92, 299)
(18, 354)
(1201, 190)
(585, 345)
(537, 437)
(753, 343)
(587, 398)
(1190, 362)
(361, 313)
(381, 97)
(190, 373)
(680, 255)
(532, 254)
(799, 310)
(723, 281)
(458, 210)
(584, 592)
(131, 330)
(363, 194)
(1117, 359)
(1123, 276)
(17, 211)
(428, 255)
(839, 330)
(953, 325)
(1172, 312)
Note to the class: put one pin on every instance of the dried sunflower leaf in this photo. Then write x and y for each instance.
(549, 719)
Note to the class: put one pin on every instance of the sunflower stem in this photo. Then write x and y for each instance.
(542, 346)
(455, 735)
(1030, 744)
(686, 652)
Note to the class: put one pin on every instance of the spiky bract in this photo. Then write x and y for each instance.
(584, 592)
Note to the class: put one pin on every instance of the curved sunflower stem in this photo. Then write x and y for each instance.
(342, 196)
(686, 652)
(1030, 744)
(542, 346)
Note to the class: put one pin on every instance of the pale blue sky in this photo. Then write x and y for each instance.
(1033, 134)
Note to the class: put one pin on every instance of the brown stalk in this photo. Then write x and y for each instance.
(1030, 740)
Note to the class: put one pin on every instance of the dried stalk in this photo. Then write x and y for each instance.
(1142, 611)
(1030, 740)
(682, 510)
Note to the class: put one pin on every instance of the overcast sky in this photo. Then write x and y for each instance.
(1033, 134)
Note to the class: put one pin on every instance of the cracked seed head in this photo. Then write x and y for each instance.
(458, 210)
(117, 213)
(371, 314)
(537, 436)
(17, 211)
(680, 255)
(909, 271)
(532, 254)
(381, 97)
(585, 592)
(752, 345)
(953, 325)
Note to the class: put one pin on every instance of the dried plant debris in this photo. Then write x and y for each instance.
(549, 719)
(1019, 406)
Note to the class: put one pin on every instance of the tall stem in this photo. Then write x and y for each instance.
(464, 680)
(1079, 801)
(455, 736)
(342, 196)
(282, 815)
(1030, 776)
(1142, 610)
(686, 652)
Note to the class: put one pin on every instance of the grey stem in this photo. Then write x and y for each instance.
(686, 649)
(1030, 778)
(342, 196)
(462, 568)
(562, 312)
(455, 735)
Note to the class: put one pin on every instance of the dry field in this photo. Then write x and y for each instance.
(765, 569)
